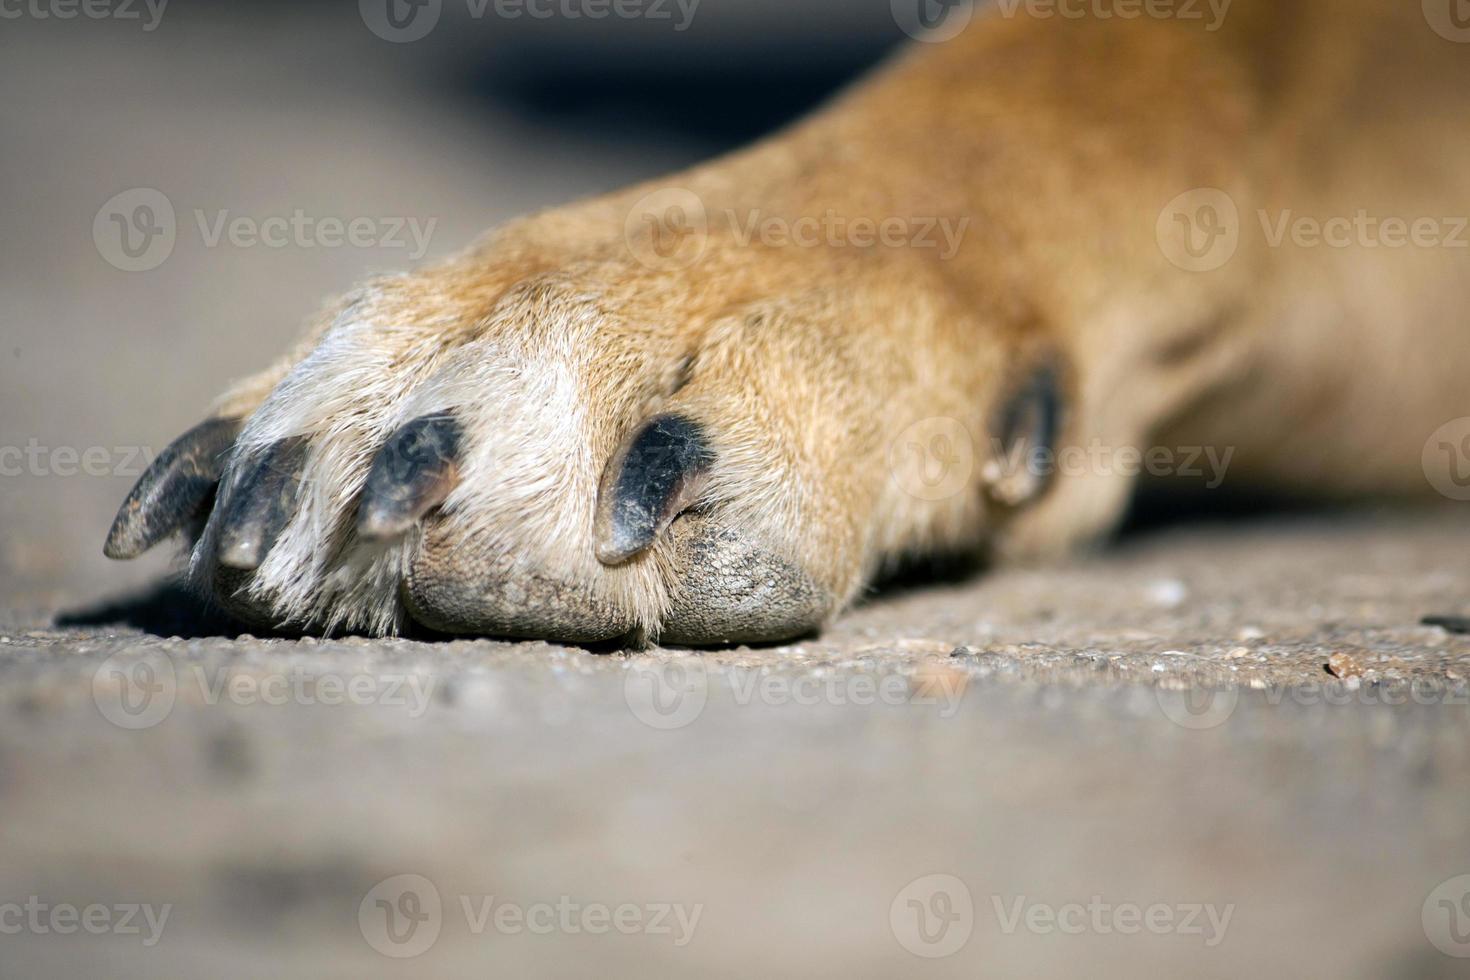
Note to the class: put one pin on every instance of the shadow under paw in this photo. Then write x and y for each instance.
(164, 609)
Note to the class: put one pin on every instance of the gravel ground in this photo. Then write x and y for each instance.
(1029, 764)
(1212, 751)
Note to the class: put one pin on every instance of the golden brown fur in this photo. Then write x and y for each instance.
(1056, 145)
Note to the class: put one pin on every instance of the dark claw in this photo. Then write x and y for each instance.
(412, 474)
(173, 490)
(258, 504)
(1028, 428)
(658, 474)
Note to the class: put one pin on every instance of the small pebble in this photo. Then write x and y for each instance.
(1344, 665)
(1168, 593)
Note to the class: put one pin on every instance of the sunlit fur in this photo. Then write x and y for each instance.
(1059, 142)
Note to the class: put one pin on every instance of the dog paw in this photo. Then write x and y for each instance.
(552, 440)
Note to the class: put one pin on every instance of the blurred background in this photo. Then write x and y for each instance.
(268, 129)
(153, 159)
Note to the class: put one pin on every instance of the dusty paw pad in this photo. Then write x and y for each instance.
(733, 591)
(474, 591)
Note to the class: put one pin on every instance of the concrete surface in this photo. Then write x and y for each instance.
(1155, 727)
(1213, 751)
